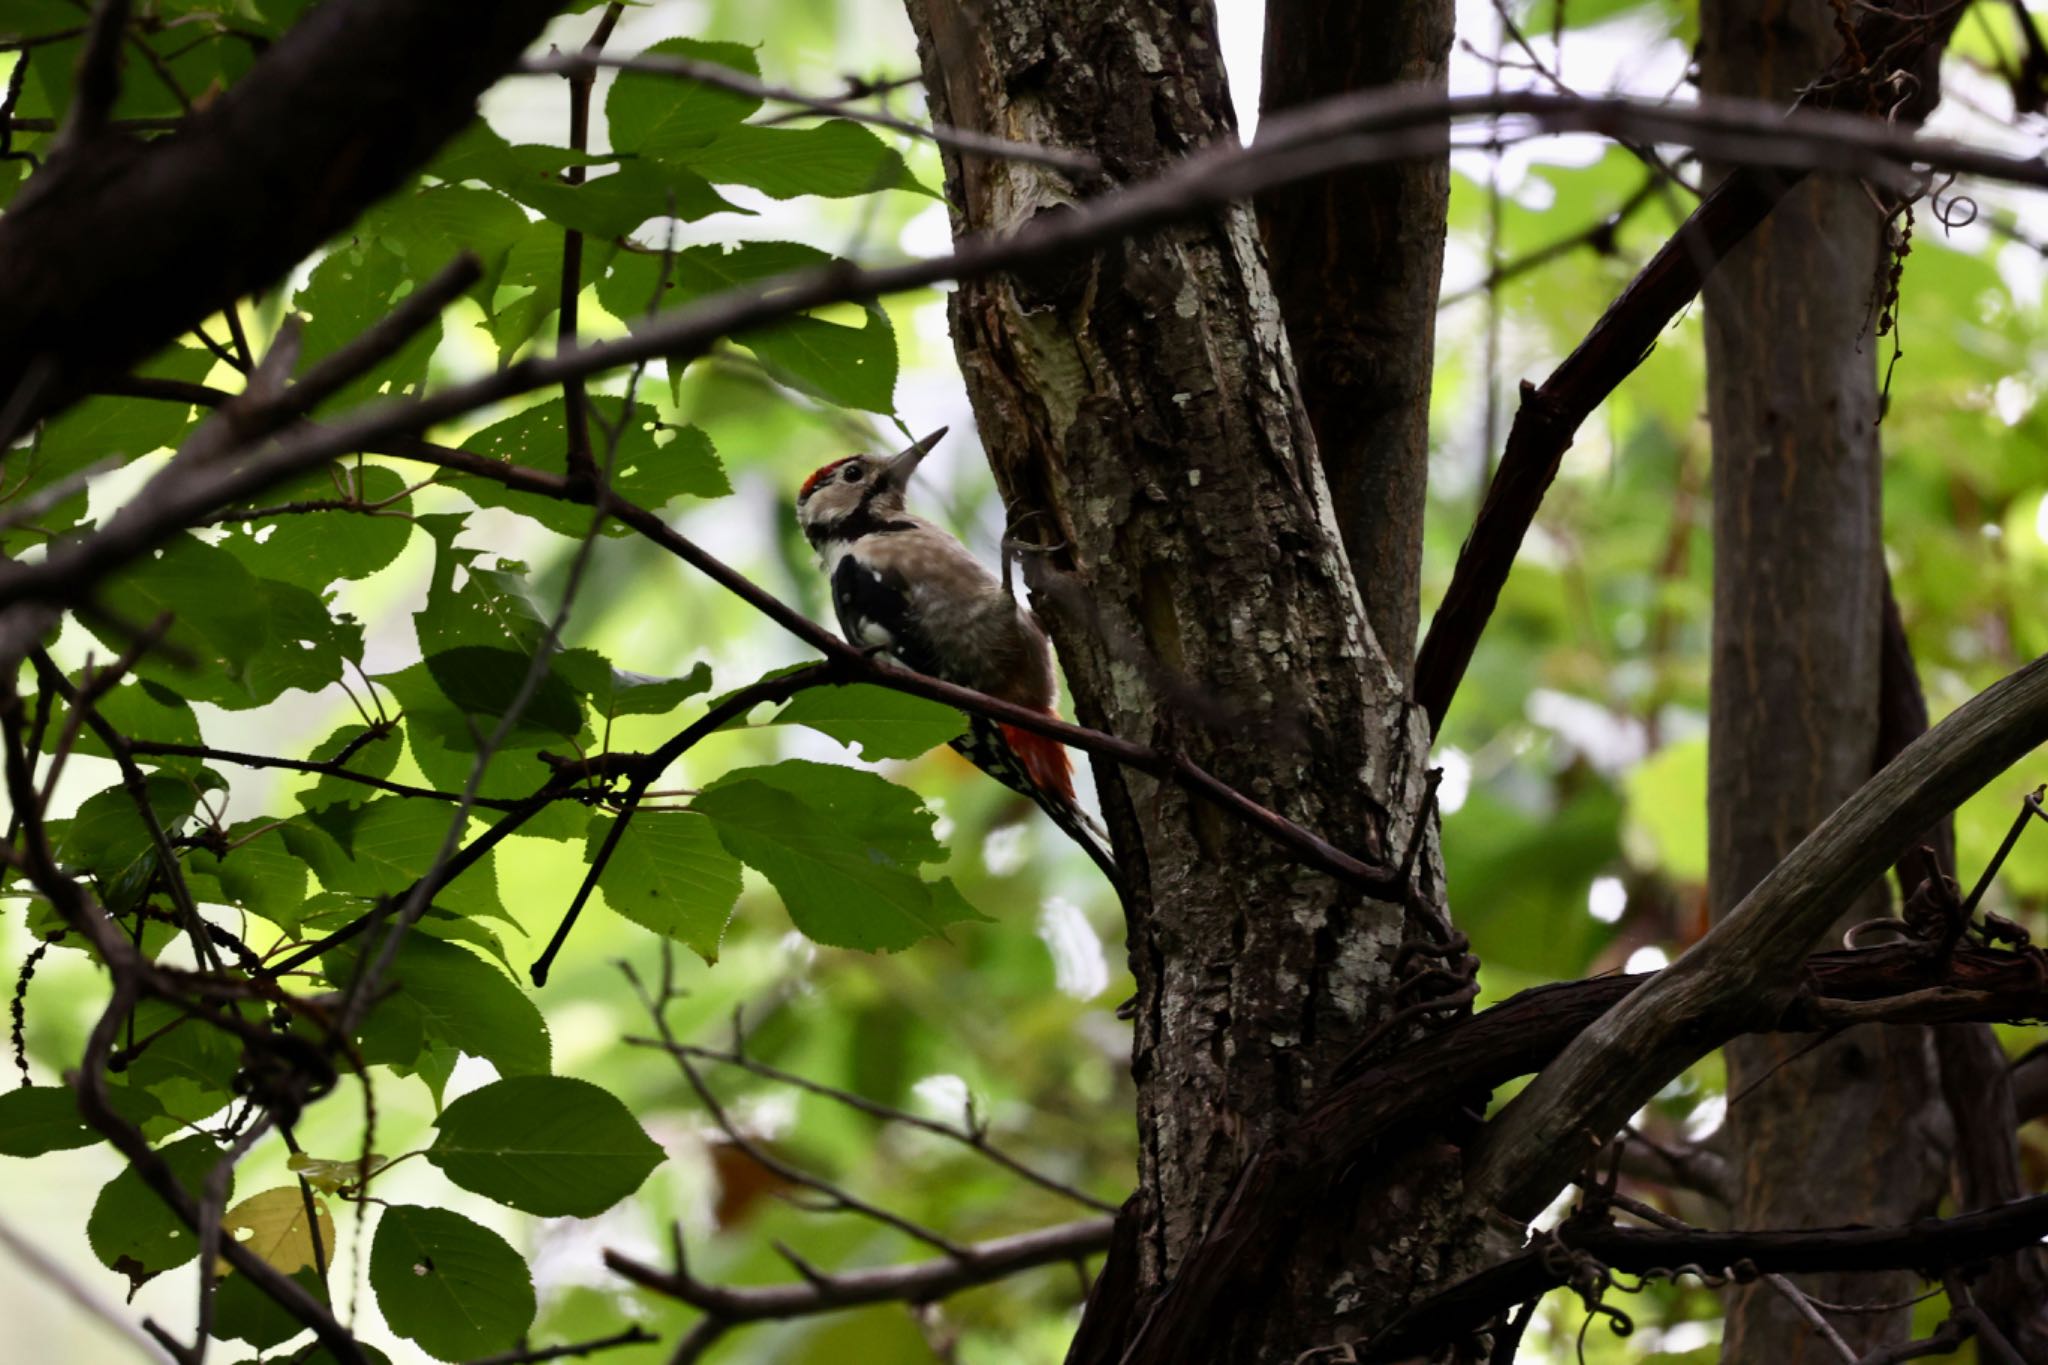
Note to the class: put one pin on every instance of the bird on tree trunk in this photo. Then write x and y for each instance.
(911, 593)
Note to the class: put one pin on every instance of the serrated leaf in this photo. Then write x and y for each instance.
(354, 287)
(652, 465)
(373, 757)
(835, 160)
(218, 616)
(386, 845)
(842, 847)
(188, 1067)
(530, 287)
(450, 994)
(652, 114)
(615, 692)
(850, 366)
(274, 1227)
(433, 225)
(454, 1287)
(133, 1231)
(311, 550)
(670, 874)
(883, 722)
(109, 839)
(141, 710)
(548, 1145)
(260, 873)
(611, 204)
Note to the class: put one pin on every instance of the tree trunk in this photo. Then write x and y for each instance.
(1141, 401)
(1841, 1133)
(1357, 259)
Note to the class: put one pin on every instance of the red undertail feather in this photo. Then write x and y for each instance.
(1045, 761)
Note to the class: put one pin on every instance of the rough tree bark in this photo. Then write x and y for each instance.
(1141, 412)
(1841, 1133)
(1356, 261)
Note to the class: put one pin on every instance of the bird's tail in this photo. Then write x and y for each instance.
(1038, 767)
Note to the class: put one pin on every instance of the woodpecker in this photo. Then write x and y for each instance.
(910, 592)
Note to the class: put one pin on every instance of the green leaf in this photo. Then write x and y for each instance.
(35, 1119)
(660, 115)
(670, 874)
(372, 758)
(615, 692)
(454, 996)
(431, 226)
(835, 160)
(850, 366)
(259, 874)
(484, 684)
(108, 838)
(249, 639)
(142, 711)
(652, 465)
(307, 645)
(1667, 810)
(242, 1312)
(883, 722)
(354, 287)
(311, 550)
(188, 1067)
(390, 843)
(842, 847)
(529, 292)
(611, 205)
(220, 619)
(548, 1145)
(454, 1287)
(444, 742)
(97, 429)
(133, 1231)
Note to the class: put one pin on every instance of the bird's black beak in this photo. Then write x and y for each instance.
(904, 463)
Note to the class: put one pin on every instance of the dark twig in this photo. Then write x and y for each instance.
(575, 401)
(332, 769)
(919, 1282)
(1921, 1245)
(632, 1336)
(834, 1198)
(975, 1137)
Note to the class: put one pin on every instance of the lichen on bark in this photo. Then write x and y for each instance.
(1140, 410)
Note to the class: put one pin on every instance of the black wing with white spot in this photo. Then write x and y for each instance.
(872, 603)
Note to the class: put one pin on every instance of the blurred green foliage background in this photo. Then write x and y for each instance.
(1575, 754)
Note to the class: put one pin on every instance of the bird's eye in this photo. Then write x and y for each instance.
(852, 474)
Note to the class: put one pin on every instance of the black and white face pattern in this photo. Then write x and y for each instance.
(838, 498)
(858, 495)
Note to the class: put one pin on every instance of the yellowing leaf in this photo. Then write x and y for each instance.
(273, 1225)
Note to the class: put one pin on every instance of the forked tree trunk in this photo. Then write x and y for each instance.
(1140, 409)
(1840, 1133)
(1357, 259)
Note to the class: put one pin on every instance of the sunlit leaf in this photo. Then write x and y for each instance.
(669, 873)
